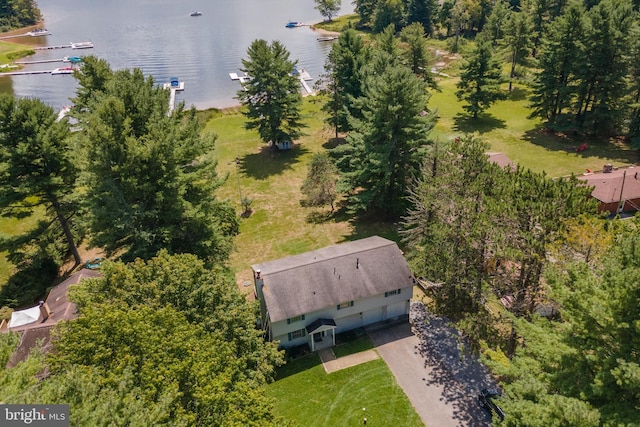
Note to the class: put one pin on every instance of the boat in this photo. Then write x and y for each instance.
(39, 32)
(196, 13)
(72, 59)
(63, 70)
(326, 38)
(81, 45)
(294, 24)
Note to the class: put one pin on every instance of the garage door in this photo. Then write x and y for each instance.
(396, 309)
(372, 316)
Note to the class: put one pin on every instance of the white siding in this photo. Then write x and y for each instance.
(396, 309)
(364, 312)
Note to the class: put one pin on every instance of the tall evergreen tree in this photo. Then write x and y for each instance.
(150, 176)
(272, 97)
(37, 170)
(480, 79)
(555, 82)
(423, 12)
(517, 35)
(344, 79)
(383, 153)
(603, 73)
(419, 58)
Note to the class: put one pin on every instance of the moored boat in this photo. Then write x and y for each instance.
(293, 24)
(72, 59)
(39, 32)
(63, 70)
(81, 45)
(196, 13)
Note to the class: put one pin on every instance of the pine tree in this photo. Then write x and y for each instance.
(37, 170)
(554, 85)
(272, 97)
(383, 153)
(480, 79)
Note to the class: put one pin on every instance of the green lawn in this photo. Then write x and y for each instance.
(278, 225)
(310, 397)
(508, 129)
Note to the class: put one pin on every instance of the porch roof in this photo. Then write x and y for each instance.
(320, 325)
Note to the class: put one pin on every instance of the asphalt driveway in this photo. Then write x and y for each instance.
(440, 379)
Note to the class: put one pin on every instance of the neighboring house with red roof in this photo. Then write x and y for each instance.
(617, 189)
(501, 160)
(308, 298)
(55, 308)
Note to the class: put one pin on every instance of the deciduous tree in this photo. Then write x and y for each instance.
(320, 185)
(328, 8)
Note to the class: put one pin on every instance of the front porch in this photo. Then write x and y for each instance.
(322, 334)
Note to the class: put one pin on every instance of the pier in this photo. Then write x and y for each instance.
(26, 73)
(43, 61)
(62, 46)
(174, 86)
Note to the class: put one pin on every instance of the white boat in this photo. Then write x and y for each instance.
(39, 32)
(81, 45)
(63, 70)
(294, 24)
(326, 38)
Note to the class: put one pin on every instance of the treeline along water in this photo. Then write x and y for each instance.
(161, 38)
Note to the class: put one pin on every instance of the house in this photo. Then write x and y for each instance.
(310, 297)
(617, 189)
(34, 325)
(502, 160)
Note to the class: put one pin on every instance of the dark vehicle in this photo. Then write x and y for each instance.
(487, 398)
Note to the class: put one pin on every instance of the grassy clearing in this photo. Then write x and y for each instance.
(310, 397)
(279, 225)
(508, 129)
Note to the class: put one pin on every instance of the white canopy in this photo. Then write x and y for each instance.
(24, 317)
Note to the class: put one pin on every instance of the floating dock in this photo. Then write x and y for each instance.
(43, 61)
(302, 74)
(174, 86)
(26, 73)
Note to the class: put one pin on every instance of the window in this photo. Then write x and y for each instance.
(394, 292)
(297, 334)
(344, 305)
(295, 319)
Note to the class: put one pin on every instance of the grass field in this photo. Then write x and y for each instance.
(304, 393)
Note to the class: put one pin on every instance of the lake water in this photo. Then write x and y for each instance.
(159, 37)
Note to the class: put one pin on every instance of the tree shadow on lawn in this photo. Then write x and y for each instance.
(297, 365)
(484, 123)
(269, 162)
(571, 141)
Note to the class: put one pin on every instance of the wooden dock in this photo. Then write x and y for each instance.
(43, 61)
(172, 95)
(62, 46)
(25, 73)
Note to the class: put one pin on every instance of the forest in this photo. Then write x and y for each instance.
(18, 13)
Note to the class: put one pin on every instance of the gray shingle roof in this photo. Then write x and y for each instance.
(329, 276)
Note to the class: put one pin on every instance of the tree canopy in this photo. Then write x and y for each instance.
(149, 175)
(272, 96)
(169, 337)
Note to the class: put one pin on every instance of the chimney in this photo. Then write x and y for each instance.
(44, 311)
